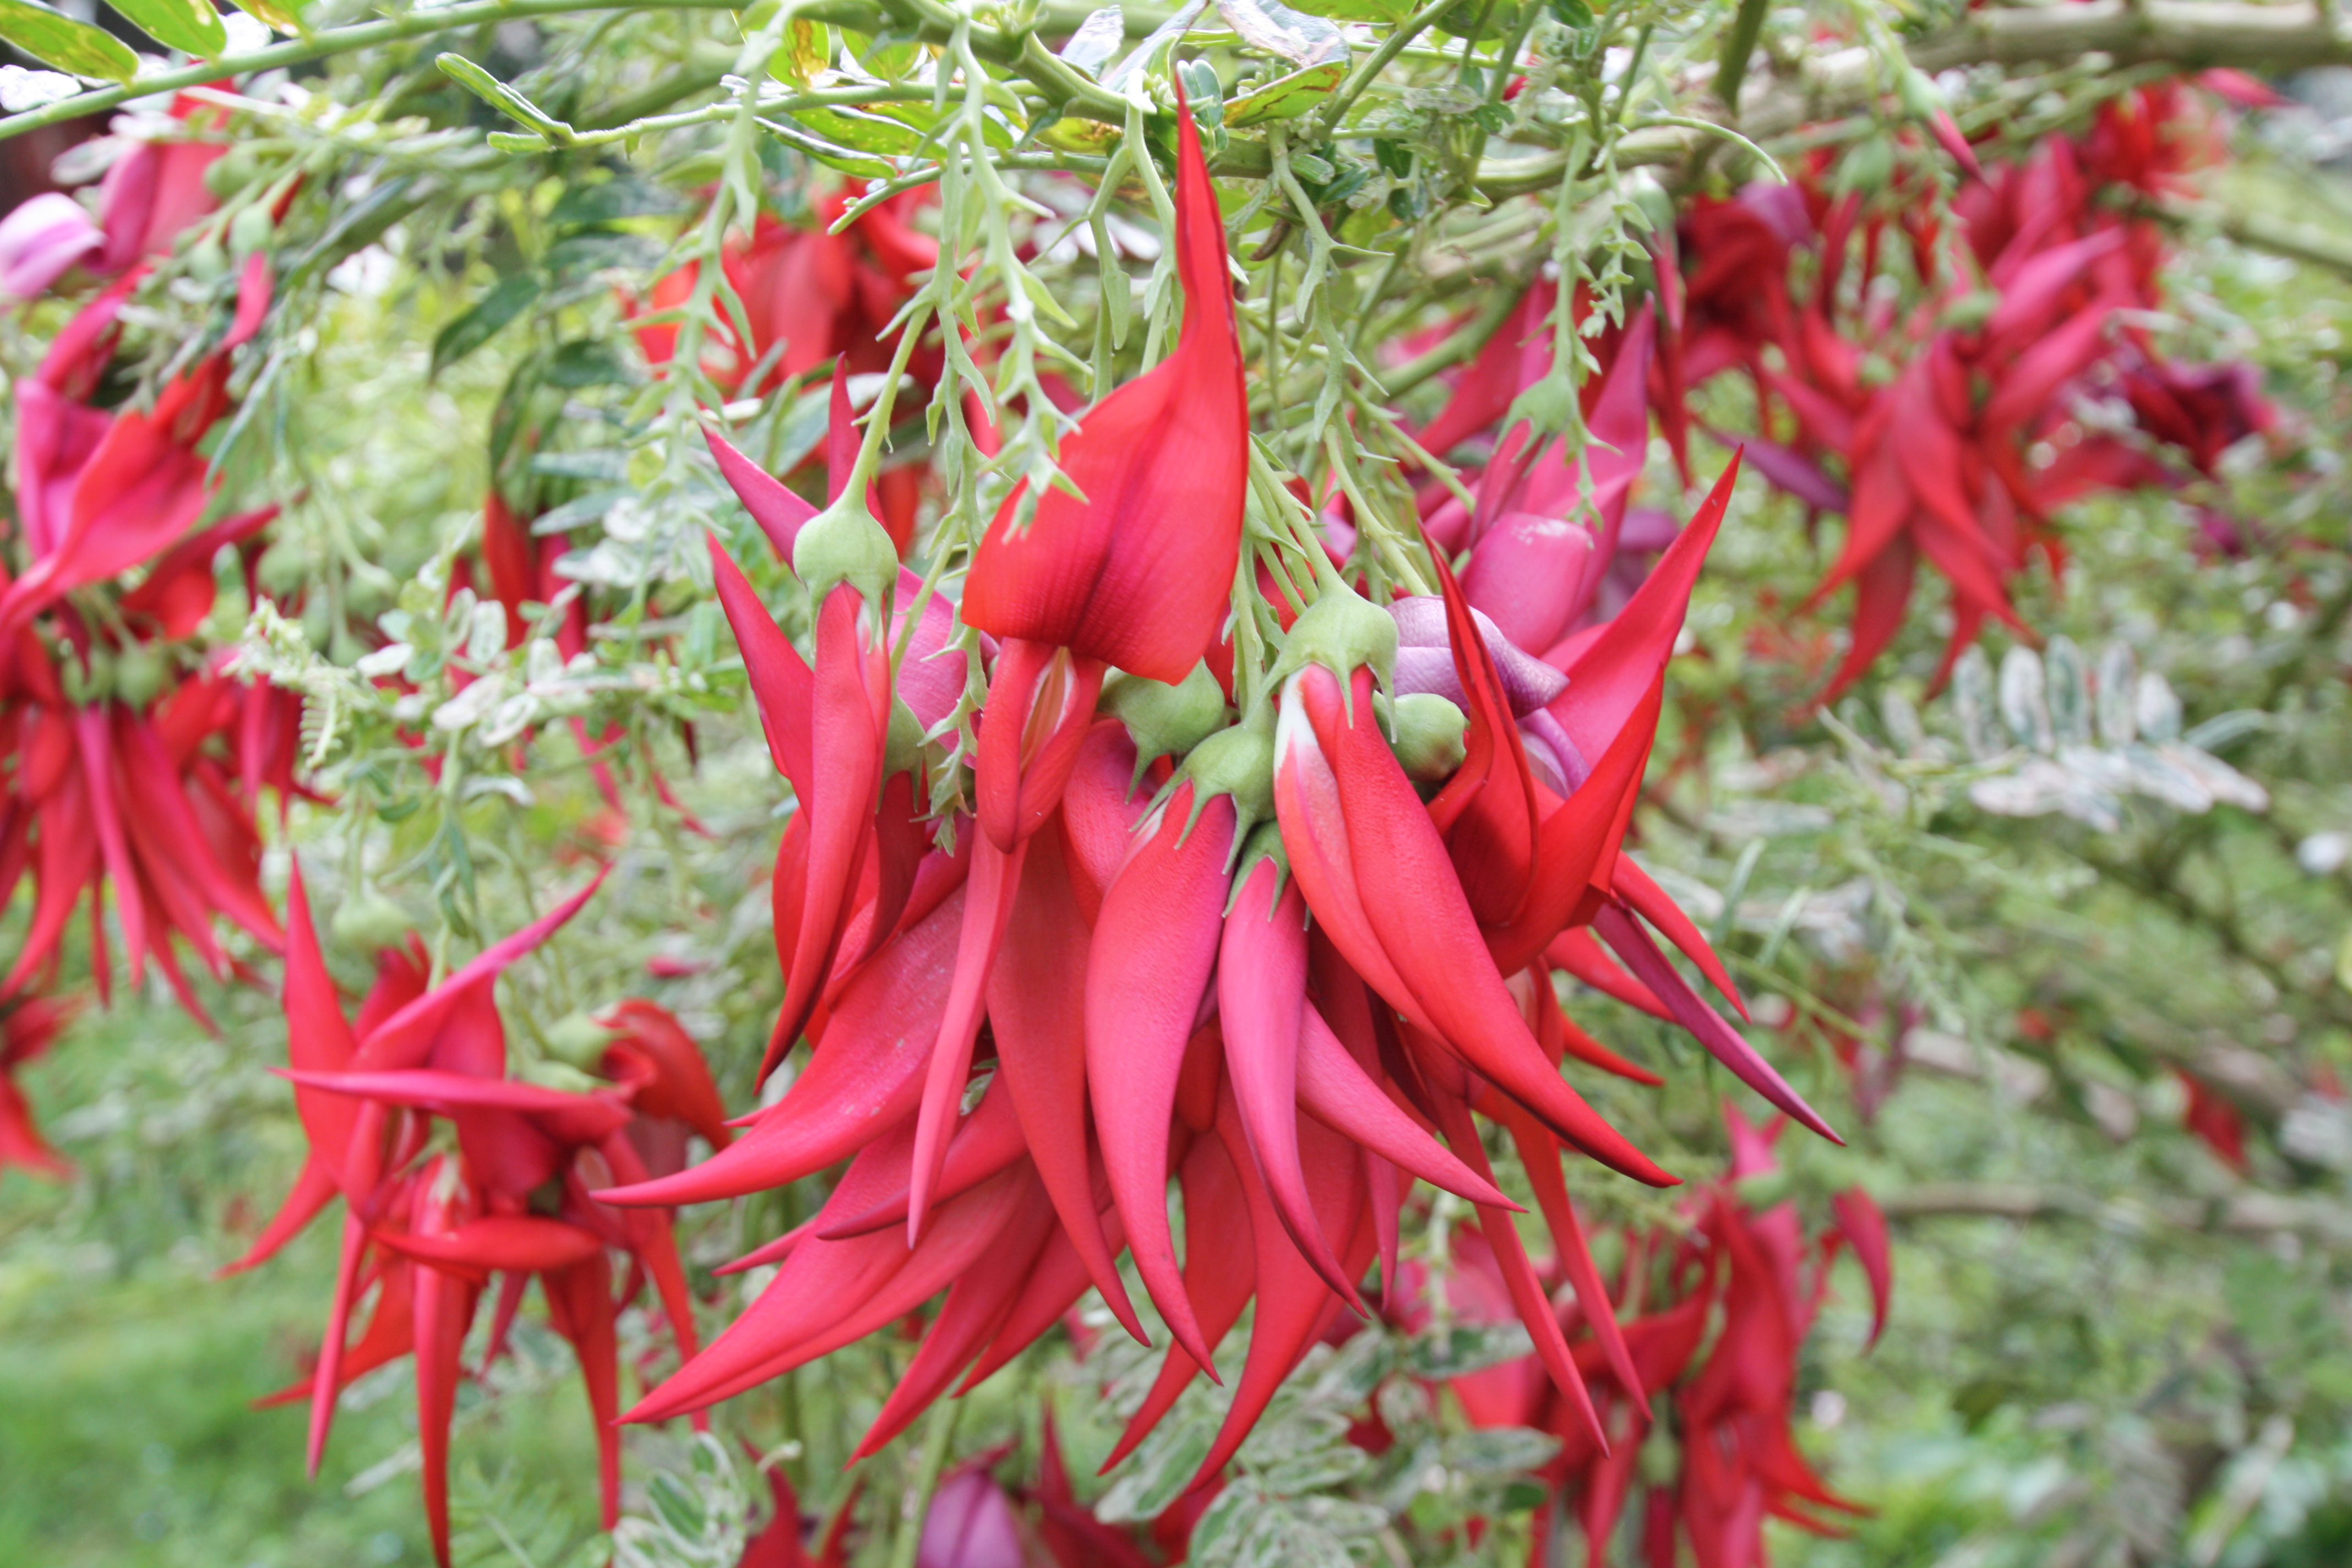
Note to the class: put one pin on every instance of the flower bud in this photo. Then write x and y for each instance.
(1341, 631)
(578, 1040)
(1429, 732)
(250, 230)
(1867, 166)
(88, 678)
(367, 922)
(1237, 761)
(844, 544)
(139, 674)
(1166, 720)
(1971, 310)
(902, 744)
(207, 260)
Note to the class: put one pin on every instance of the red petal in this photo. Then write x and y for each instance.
(1147, 969)
(1136, 570)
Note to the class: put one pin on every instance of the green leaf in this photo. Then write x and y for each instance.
(1467, 1347)
(1500, 1451)
(587, 362)
(575, 256)
(1296, 37)
(501, 97)
(1287, 97)
(68, 45)
(191, 26)
(1358, 10)
(285, 18)
(611, 201)
(863, 129)
(511, 296)
(1098, 38)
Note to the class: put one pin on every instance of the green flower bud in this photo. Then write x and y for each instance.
(843, 543)
(139, 672)
(206, 259)
(1971, 310)
(1166, 720)
(561, 1076)
(250, 230)
(902, 745)
(578, 1040)
(1340, 630)
(1661, 1459)
(1867, 165)
(1429, 735)
(1764, 1189)
(285, 568)
(1237, 761)
(1919, 91)
(369, 922)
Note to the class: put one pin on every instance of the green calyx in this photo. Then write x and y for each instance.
(1341, 631)
(578, 1040)
(1263, 842)
(139, 672)
(902, 745)
(844, 544)
(1429, 735)
(1237, 761)
(369, 922)
(1166, 720)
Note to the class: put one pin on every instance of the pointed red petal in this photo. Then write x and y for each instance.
(1147, 969)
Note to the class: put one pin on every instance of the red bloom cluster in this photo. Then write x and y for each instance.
(426, 1228)
(1714, 1318)
(150, 194)
(126, 764)
(1948, 431)
(1328, 938)
(809, 295)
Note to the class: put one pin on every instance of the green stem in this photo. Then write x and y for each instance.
(341, 40)
(1327, 119)
(938, 1436)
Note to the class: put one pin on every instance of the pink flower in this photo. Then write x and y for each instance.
(40, 242)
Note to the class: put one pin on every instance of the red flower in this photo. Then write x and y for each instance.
(1134, 569)
(28, 1026)
(809, 294)
(513, 1201)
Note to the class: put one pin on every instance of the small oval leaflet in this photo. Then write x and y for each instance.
(68, 45)
(1096, 39)
(1277, 29)
(191, 26)
(1287, 97)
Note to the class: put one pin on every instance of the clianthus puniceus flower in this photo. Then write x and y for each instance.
(428, 1224)
(1287, 958)
(1716, 1317)
(1950, 433)
(129, 774)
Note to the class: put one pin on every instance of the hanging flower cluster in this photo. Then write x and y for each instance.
(1951, 429)
(1716, 1316)
(131, 766)
(1276, 955)
(802, 296)
(428, 1226)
